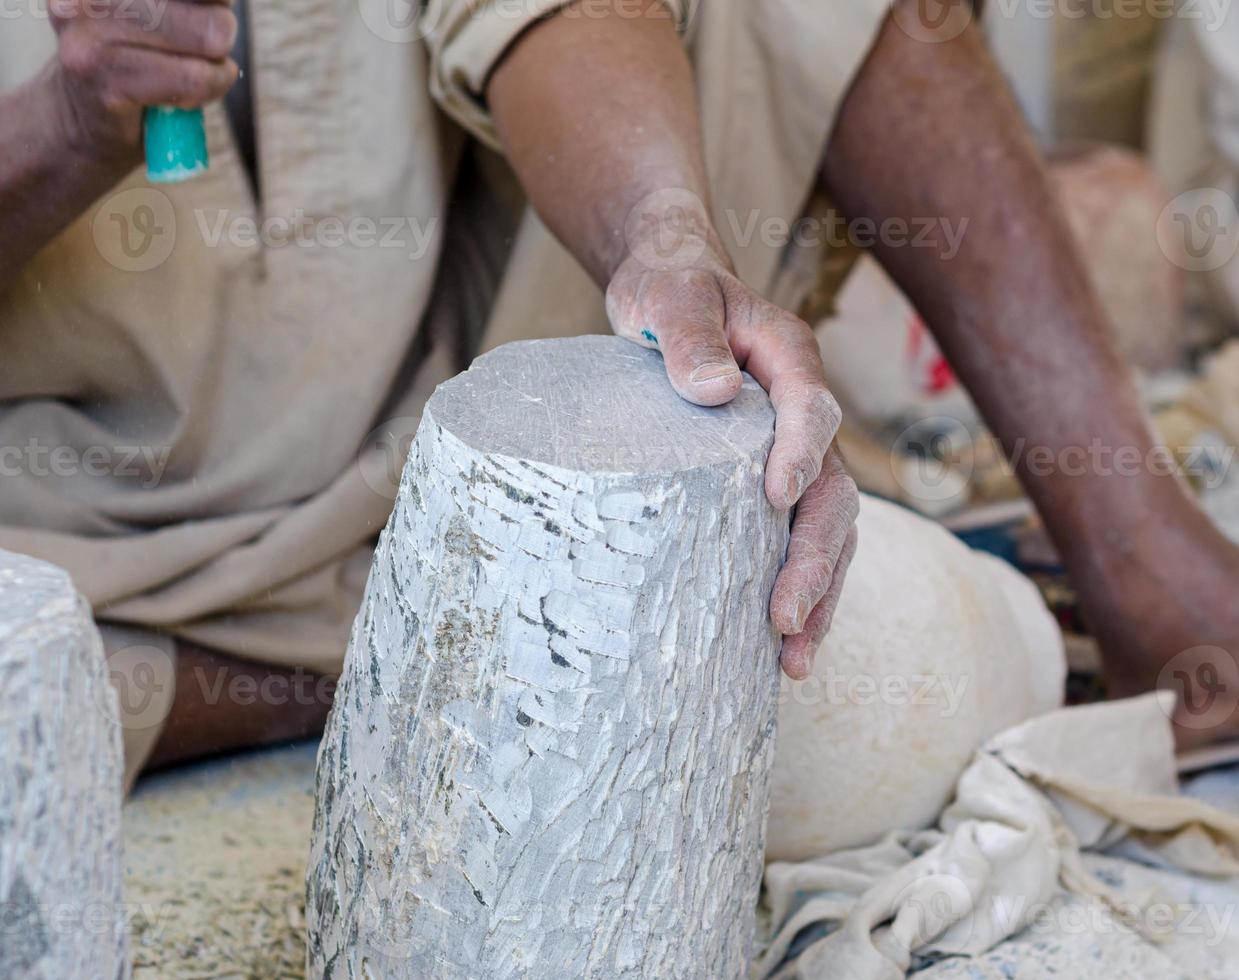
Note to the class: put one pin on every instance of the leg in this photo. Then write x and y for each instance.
(223, 704)
(929, 129)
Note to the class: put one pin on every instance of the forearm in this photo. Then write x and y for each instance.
(46, 177)
(599, 120)
(1013, 308)
(596, 113)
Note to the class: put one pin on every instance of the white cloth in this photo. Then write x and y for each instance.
(934, 649)
(1034, 797)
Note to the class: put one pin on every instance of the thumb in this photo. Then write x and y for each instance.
(682, 314)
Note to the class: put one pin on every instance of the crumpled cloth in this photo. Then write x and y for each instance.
(1034, 796)
(1214, 395)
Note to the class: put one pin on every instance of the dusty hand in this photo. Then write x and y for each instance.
(708, 325)
(116, 58)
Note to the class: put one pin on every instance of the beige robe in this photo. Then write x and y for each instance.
(205, 426)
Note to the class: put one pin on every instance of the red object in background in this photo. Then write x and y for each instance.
(926, 363)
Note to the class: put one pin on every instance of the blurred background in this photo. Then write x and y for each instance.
(1136, 107)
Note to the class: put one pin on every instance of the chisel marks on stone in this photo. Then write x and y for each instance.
(572, 780)
(61, 904)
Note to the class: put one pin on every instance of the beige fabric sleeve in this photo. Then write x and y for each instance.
(771, 76)
(467, 38)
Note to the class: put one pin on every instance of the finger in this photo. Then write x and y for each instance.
(203, 30)
(682, 313)
(780, 351)
(142, 77)
(800, 651)
(826, 515)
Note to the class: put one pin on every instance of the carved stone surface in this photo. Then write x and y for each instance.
(550, 749)
(61, 911)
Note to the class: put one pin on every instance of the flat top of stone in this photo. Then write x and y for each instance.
(596, 404)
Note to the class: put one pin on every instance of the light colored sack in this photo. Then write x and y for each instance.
(934, 648)
(1096, 777)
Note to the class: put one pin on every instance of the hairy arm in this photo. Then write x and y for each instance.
(598, 117)
(929, 129)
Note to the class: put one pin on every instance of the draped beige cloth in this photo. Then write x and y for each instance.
(205, 395)
(1088, 778)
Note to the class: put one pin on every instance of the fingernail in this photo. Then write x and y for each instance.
(711, 372)
(803, 608)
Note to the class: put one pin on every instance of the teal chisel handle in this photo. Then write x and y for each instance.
(175, 141)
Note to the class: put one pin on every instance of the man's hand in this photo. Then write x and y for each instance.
(74, 130)
(708, 324)
(598, 119)
(114, 59)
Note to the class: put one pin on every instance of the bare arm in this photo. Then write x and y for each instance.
(74, 130)
(930, 131)
(599, 119)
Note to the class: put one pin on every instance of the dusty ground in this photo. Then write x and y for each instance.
(215, 865)
(216, 859)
